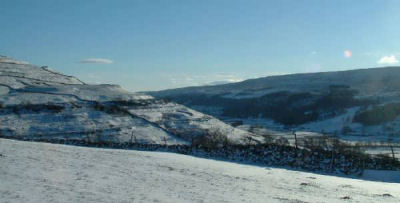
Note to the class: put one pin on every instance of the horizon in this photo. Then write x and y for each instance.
(283, 74)
(156, 45)
(224, 82)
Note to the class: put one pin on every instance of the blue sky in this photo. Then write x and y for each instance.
(152, 45)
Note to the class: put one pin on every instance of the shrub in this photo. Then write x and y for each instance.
(211, 139)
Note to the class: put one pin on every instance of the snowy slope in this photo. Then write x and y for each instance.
(38, 103)
(187, 122)
(40, 172)
(281, 98)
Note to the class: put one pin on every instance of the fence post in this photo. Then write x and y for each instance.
(165, 141)
(391, 148)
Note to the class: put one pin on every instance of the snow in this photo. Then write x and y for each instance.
(185, 122)
(41, 172)
(74, 123)
(19, 75)
(332, 125)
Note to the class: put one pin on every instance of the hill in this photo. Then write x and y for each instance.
(363, 103)
(38, 103)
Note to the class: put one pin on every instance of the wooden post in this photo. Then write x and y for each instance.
(335, 143)
(97, 135)
(249, 139)
(88, 137)
(133, 136)
(332, 160)
(391, 148)
(165, 141)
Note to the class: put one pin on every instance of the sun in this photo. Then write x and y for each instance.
(348, 54)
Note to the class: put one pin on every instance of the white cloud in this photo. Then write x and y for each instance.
(388, 60)
(97, 60)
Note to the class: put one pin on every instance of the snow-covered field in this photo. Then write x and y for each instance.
(41, 172)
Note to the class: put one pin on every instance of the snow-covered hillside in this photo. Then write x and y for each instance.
(38, 103)
(364, 102)
(41, 172)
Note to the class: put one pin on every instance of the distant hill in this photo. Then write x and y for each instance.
(354, 102)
